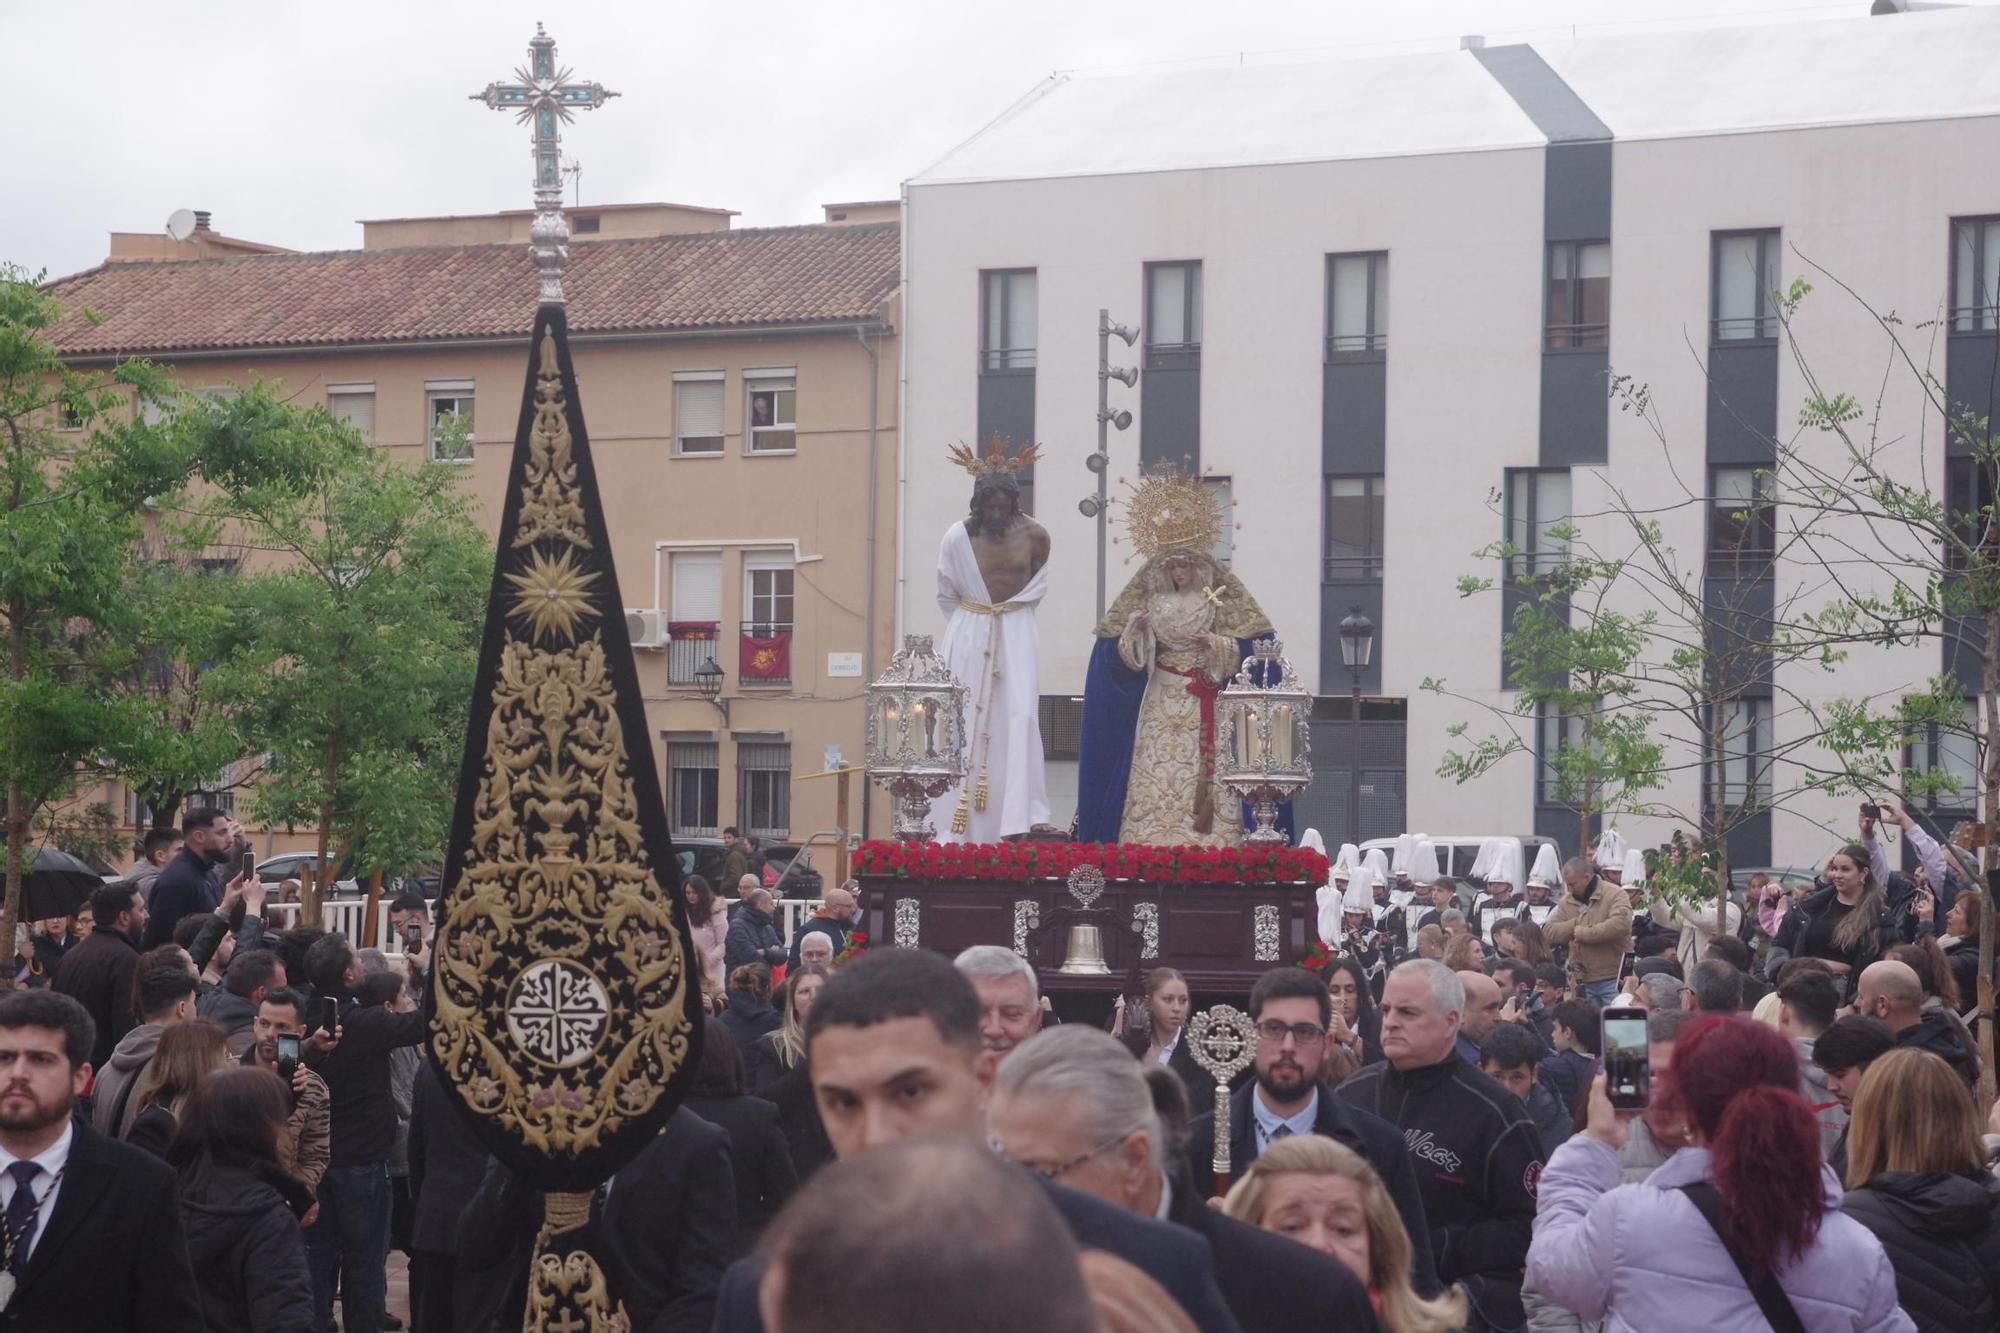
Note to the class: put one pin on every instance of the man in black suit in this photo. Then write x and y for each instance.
(1292, 1010)
(98, 973)
(1072, 1106)
(892, 1042)
(93, 1227)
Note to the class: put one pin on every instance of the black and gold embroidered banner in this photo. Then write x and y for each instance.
(564, 1012)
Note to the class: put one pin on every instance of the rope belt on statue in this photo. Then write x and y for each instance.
(981, 709)
(1205, 692)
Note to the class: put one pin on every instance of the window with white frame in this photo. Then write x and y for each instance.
(1953, 749)
(694, 796)
(1355, 527)
(694, 615)
(771, 411)
(1537, 505)
(1743, 524)
(764, 788)
(353, 405)
(448, 420)
(1745, 285)
(767, 593)
(698, 413)
(1743, 767)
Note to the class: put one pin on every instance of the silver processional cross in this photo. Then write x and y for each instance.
(543, 96)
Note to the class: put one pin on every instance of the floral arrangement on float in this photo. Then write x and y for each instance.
(857, 944)
(1019, 862)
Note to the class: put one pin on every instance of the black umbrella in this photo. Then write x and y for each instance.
(57, 884)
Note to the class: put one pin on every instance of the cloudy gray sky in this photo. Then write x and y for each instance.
(290, 120)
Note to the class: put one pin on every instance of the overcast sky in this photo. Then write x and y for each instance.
(291, 120)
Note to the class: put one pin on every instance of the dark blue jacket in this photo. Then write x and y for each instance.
(1378, 1142)
(186, 886)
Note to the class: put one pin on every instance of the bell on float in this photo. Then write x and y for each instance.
(1085, 955)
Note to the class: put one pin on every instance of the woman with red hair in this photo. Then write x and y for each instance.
(1742, 1222)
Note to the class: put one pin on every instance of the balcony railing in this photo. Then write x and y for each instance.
(690, 644)
(757, 639)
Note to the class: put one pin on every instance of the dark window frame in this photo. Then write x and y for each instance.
(1575, 335)
(1362, 568)
(1759, 785)
(1761, 524)
(764, 782)
(707, 796)
(1764, 324)
(1970, 490)
(1375, 342)
(1004, 360)
(1535, 557)
(1180, 355)
(1978, 318)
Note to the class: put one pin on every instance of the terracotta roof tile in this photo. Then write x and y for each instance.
(719, 280)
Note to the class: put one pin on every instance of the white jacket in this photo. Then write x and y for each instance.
(1696, 923)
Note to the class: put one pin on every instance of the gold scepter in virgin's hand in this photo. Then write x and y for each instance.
(1223, 1041)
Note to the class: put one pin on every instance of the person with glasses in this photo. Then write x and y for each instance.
(1476, 1154)
(1072, 1106)
(1290, 1095)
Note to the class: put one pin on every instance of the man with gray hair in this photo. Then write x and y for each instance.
(1474, 1149)
(1010, 1008)
(1072, 1105)
(1660, 991)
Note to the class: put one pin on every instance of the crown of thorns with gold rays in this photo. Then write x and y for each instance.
(1170, 510)
(993, 457)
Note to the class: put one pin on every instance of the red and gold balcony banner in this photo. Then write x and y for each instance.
(765, 657)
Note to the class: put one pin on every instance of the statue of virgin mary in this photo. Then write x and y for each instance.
(1174, 637)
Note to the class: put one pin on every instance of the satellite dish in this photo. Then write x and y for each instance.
(181, 225)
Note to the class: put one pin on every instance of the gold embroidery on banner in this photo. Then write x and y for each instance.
(567, 1292)
(550, 508)
(560, 982)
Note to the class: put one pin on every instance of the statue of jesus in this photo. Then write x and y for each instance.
(992, 575)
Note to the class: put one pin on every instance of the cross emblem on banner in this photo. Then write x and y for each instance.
(544, 97)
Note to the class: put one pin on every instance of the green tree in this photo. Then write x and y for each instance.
(361, 644)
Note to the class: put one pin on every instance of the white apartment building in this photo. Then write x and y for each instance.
(1379, 300)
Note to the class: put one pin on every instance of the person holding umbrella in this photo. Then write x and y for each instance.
(55, 887)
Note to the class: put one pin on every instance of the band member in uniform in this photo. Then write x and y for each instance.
(1542, 881)
(1500, 864)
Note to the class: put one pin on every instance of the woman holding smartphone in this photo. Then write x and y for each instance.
(1749, 1193)
(1845, 923)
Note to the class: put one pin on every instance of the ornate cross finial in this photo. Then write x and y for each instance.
(543, 97)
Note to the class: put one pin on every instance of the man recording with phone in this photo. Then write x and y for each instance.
(279, 1044)
(352, 1233)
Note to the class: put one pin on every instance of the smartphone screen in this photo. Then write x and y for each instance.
(329, 1013)
(1628, 1075)
(288, 1047)
(248, 866)
(413, 937)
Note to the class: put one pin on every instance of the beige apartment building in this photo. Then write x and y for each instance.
(739, 389)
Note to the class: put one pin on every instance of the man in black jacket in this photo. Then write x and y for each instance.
(101, 1244)
(1289, 1005)
(1892, 991)
(663, 1228)
(97, 973)
(352, 1232)
(189, 884)
(1474, 1150)
(753, 934)
(1073, 1107)
(892, 1042)
(446, 1166)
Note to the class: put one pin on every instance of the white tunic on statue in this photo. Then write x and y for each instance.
(1003, 731)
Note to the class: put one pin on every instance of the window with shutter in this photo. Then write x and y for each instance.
(698, 414)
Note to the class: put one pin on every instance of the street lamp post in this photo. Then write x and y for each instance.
(1357, 646)
(1098, 506)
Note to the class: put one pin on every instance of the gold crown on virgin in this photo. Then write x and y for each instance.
(993, 457)
(1171, 511)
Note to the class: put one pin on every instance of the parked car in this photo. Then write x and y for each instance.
(300, 865)
(796, 876)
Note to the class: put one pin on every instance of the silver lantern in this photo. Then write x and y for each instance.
(1266, 736)
(916, 734)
